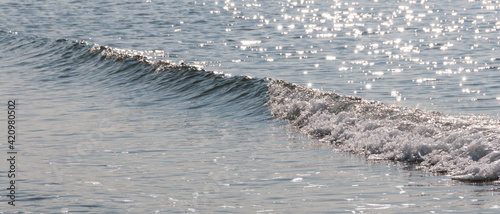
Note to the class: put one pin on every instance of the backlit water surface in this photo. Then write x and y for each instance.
(109, 136)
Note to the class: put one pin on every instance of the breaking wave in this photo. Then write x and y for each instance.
(466, 147)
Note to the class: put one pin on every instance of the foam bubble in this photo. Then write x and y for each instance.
(466, 147)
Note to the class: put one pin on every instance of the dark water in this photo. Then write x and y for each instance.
(111, 119)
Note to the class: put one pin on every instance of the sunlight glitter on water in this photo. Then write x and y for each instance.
(433, 55)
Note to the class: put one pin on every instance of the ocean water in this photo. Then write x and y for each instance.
(242, 106)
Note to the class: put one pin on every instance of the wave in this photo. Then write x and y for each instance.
(232, 93)
(78, 62)
(468, 148)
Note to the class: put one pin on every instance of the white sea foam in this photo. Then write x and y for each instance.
(466, 147)
(155, 58)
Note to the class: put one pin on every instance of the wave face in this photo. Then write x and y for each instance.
(242, 94)
(78, 62)
(468, 148)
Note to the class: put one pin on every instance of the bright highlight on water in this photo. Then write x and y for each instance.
(254, 106)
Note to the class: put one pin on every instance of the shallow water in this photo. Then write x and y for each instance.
(101, 131)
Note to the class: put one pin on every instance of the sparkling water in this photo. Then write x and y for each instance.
(243, 106)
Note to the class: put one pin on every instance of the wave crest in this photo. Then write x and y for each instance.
(466, 147)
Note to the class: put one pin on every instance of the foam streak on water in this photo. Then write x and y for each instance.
(468, 148)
